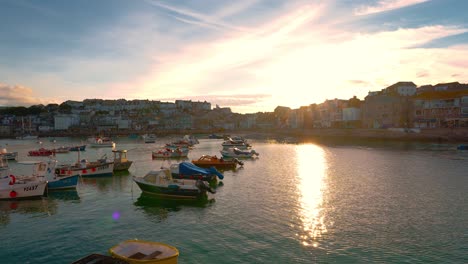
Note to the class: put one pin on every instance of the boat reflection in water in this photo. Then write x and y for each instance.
(41, 207)
(65, 195)
(312, 172)
(160, 208)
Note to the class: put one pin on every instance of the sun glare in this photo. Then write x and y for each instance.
(312, 171)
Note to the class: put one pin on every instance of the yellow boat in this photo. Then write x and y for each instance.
(139, 251)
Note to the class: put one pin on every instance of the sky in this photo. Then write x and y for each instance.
(249, 55)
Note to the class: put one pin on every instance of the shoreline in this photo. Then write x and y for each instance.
(446, 135)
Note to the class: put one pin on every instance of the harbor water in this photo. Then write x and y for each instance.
(295, 203)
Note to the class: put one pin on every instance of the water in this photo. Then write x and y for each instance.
(303, 203)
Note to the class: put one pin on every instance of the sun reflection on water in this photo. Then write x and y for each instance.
(311, 171)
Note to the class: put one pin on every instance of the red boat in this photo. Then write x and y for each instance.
(41, 152)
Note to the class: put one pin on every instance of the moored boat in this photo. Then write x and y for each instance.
(121, 162)
(167, 153)
(101, 142)
(462, 147)
(149, 138)
(207, 161)
(238, 153)
(78, 148)
(162, 183)
(8, 155)
(41, 152)
(56, 178)
(188, 170)
(139, 251)
(100, 168)
(19, 187)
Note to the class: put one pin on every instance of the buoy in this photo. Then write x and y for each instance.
(13, 194)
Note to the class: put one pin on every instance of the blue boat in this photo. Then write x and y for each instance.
(56, 177)
(188, 170)
(63, 182)
(462, 147)
(78, 148)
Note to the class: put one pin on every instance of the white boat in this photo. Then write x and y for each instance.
(101, 142)
(238, 153)
(169, 153)
(238, 142)
(100, 168)
(17, 187)
(149, 138)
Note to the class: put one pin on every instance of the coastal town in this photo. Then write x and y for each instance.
(402, 107)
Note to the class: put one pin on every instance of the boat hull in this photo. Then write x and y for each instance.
(101, 170)
(23, 190)
(120, 166)
(168, 191)
(63, 182)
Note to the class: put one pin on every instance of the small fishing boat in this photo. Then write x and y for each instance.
(239, 143)
(462, 147)
(188, 170)
(207, 161)
(101, 142)
(19, 187)
(238, 153)
(78, 148)
(149, 138)
(8, 155)
(161, 183)
(168, 153)
(41, 152)
(139, 251)
(100, 168)
(56, 178)
(121, 162)
(61, 149)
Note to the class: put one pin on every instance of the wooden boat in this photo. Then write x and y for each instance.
(139, 251)
(41, 152)
(78, 148)
(238, 153)
(161, 183)
(120, 160)
(168, 153)
(207, 161)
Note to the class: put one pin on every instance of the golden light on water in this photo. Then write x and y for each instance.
(311, 171)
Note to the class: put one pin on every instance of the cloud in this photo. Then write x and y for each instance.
(385, 5)
(16, 95)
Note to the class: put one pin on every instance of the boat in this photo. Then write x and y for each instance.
(188, 170)
(140, 251)
(61, 149)
(134, 252)
(149, 138)
(207, 161)
(236, 143)
(167, 153)
(19, 187)
(101, 142)
(121, 162)
(100, 168)
(56, 178)
(462, 147)
(161, 183)
(214, 136)
(238, 153)
(77, 148)
(41, 152)
(8, 155)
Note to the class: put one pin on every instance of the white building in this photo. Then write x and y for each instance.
(64, 122)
